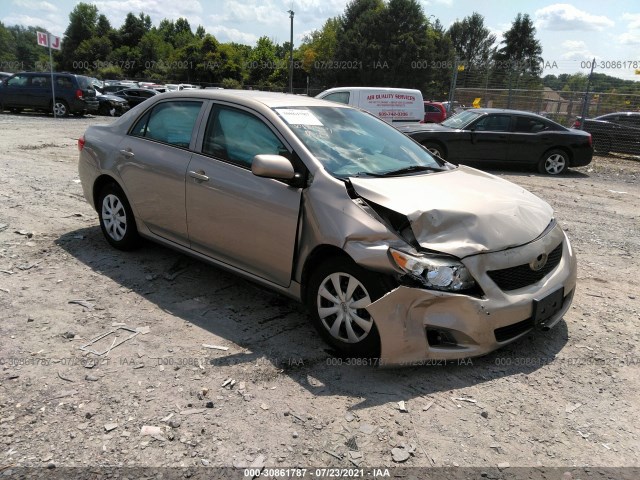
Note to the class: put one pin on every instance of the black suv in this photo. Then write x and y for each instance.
(74, 93)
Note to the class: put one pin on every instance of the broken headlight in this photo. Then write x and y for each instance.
(440, 273)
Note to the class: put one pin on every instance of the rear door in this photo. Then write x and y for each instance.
(238, 218)
(153, 162)
(530, 138)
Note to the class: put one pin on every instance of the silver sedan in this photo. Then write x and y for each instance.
(400, 256)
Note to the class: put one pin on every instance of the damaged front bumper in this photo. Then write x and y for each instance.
(418, 324)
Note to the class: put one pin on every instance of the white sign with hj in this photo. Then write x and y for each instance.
(45, 39)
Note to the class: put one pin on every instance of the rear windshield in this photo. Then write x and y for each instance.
(84, 82)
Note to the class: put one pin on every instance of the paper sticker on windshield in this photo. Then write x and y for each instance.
(296, 116)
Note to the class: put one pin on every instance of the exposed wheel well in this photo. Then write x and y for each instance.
(563, 149)
(424, 143)
(99, 184)
(319, 254)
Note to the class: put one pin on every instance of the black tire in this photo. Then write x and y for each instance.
(60, 108)
(80, 114)
(106, 111)
(554, 162)
(370, 284)
(601, 144)
(435, 149)
(15, 110)
(117, 222)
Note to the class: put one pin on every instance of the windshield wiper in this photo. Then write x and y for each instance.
(411, 169)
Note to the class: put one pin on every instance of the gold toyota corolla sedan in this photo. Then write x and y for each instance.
(399, 256)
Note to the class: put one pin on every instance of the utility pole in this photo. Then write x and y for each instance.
(454, 78)
(291, 13)
(585, 104)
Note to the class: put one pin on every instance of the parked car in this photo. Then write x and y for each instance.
(434, 112)
(32, 90)
(614, 132)
(4, 75)
(399, 255)
(453, 107)
(506, 137)
(393, 105)
(135, 96)
(112, 105)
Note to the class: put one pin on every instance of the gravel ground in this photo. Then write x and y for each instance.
(274, 396)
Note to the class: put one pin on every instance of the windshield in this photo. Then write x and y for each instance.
(461, 120)
(349, 142)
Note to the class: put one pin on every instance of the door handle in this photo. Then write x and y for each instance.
(199, 175)
(127, 153)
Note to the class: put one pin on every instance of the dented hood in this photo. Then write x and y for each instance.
(461, 212)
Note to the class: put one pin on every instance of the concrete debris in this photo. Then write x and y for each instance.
(400, 455)
(143, 330)
(91, 378)
(367, 429)
(466, 399)
(402, 406)
(215, 347)
(428, 406)
(572, 407)
(349, 417)
(84, 303)
(152, 431)
(192, 411)
(110, 426)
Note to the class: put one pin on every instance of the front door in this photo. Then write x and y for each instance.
(233, 216)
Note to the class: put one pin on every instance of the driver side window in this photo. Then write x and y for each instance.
(238, 136)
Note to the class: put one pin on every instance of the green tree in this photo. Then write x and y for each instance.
(83, 20)
(7, 48)
(472, 41)
(521, 51)
(262, 62)
(92, 53)
(133, 29)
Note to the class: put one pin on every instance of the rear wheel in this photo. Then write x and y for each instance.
(60, 108)
(116, 218)
(15, 110)
(554, 162)
(435, 149)
(339, 292)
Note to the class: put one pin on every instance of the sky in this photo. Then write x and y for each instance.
(570, 33)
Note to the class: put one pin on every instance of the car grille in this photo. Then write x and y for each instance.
(522, 275)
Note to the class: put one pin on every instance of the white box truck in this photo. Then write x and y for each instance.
(393, 105)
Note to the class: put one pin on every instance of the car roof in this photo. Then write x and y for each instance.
(506, 111)
(630, 114)
(268, 99)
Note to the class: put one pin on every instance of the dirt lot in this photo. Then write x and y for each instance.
(565, 398)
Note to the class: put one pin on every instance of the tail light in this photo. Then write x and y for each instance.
(590, 141)
(576, 124)
(81, 143)
(79, 94)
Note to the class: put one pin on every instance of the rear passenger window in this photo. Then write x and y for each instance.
(529, 125)
(64, 82)
(169, 122)
(238, 136)
(40, 81)
(493, 123)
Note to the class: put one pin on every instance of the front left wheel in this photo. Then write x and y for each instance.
(339, 292)
(554, 162)
(116, 218)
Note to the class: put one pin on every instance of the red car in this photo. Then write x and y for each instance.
(434, 112)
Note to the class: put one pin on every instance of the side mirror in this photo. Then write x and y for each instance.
(272, 166)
